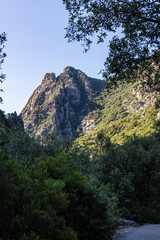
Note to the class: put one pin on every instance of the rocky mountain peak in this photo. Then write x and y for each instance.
(49, 78)
(69, 70)
(60, 103)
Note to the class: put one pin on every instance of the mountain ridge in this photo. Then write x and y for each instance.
(60, 103)
(74, 105)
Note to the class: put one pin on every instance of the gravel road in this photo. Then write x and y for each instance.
(147, 232)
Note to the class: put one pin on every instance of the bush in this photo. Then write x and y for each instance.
(50, 199)
(132, 171)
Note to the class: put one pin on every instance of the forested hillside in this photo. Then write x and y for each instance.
(67, 188)
(126, 111)
(123, 151)
(44, 195)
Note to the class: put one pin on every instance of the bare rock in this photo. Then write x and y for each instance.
(59, 104)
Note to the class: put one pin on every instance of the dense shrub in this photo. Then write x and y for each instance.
(45, 197)
(133, 173)
(50, 199)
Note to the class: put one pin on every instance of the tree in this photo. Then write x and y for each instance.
(132, 171)
(45, 196)
(2, 56)
(133, 52)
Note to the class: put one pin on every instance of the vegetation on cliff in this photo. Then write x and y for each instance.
(123, 151)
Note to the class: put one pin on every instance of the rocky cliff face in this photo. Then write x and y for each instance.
(60, 103)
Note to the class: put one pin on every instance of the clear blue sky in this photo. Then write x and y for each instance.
(36, 45)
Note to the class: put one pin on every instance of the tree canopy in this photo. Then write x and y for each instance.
(138, 43)
(2, 56)
(43, 194)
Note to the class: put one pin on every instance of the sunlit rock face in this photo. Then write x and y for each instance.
(60, 103)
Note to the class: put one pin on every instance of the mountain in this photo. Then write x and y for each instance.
(119, 131)
(75, 105)
(60, 104)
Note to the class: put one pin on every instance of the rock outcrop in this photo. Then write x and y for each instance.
(60, 103)
(143, 99)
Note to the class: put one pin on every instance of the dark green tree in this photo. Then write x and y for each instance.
(133, 52)
(44, 196)
(132, 171)
(2, 56)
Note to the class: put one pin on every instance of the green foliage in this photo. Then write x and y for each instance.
(132, 171)
(124, 151)
(50, 199)
(60, 190)
(46, 197)
(20, 147)
(33, 202)
(157, 103)
(157, 127)
(137, 42)
(3, 137)
(3, 121)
